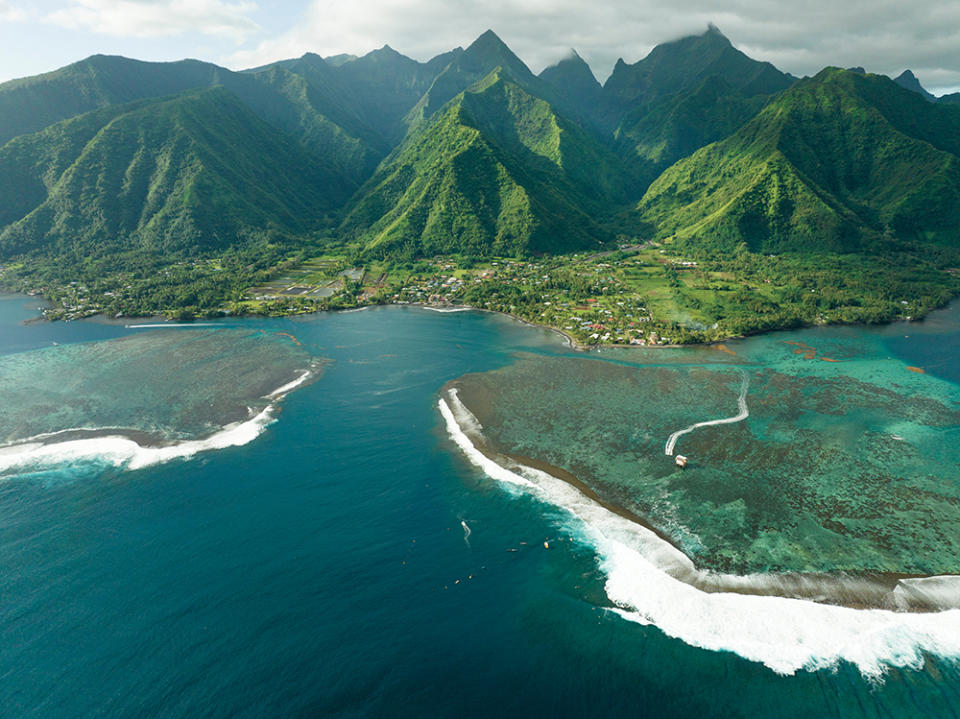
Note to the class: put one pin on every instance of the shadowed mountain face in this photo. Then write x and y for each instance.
(180, 175)
(470, 153)
(908, 80)
(682, 65)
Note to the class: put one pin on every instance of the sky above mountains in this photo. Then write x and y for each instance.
(883, 36)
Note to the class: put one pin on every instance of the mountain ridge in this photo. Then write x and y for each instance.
(115, 163)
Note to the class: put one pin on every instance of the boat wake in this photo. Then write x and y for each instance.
(739, 417)
(758, 617)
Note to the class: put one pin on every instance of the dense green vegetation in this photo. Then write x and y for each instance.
(836, 163)
(496, 172)
(181, 176)
(188, 189)
(680, 66)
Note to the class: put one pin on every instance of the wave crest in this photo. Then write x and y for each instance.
(652, 582)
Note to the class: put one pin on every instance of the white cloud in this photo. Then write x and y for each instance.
(9, 13)
(159, 18)
(882, 35)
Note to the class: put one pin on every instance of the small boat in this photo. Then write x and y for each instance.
(681, 461)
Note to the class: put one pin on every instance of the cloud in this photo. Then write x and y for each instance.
(802, 38)
(9, 13)
(159, 18)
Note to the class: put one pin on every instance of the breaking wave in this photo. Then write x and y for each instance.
(124, 452)
(756, 616)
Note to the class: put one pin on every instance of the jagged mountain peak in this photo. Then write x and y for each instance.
(910, 81)
(678, 66)
(570, 64)
(487, 39)
(489, 48)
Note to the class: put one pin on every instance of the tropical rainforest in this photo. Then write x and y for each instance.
(696, 194)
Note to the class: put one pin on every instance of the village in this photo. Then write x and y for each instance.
(624, 297)
(640, 294)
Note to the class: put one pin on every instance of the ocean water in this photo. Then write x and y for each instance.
(795, 462)
(351, 560)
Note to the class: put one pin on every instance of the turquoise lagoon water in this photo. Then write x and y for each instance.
(819, 451)
(324, 569)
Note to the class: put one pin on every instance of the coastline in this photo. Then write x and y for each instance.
(868, 590)
(134, 320)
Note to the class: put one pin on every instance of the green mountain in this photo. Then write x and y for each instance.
(33, 103)
(111, 163)
(176, 177)
(680, 66)
(301, 97)
(483, 56)
(909, 81)
(384, 85)
(682, 96)
(832, 164)
(573, 78)
(341, 59)
(652, 138)
(495, 171)
(577, 93)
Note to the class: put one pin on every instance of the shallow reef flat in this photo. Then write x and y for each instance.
(156, 385)
(847, 460)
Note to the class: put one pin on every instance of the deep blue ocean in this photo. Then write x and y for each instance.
(323, 570)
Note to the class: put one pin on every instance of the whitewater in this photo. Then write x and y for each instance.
(651, 582)
(120, 451)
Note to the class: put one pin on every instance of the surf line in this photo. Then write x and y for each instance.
(740, 416)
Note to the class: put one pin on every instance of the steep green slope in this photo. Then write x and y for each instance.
(682, 65)
(306, 102)
(574, 80)
(193, 174)
(682, 96)
(497, 171)
(384, 85)
(303, 98)
(487, 53)
(577, 94)
(909, 81)
(837, 161)
(32, 103)
(651, 139)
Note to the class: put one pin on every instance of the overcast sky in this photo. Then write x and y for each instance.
(884, 36)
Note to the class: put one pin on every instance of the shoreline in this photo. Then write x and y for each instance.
(866, 590)
(569, 340)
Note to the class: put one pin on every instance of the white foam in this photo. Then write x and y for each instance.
(121, 451)
(739, 417)
(165, 325)
(290, 385)
(646, 579)
(124, 452)
(447, 309)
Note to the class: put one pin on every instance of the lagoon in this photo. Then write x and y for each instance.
(322, 568)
